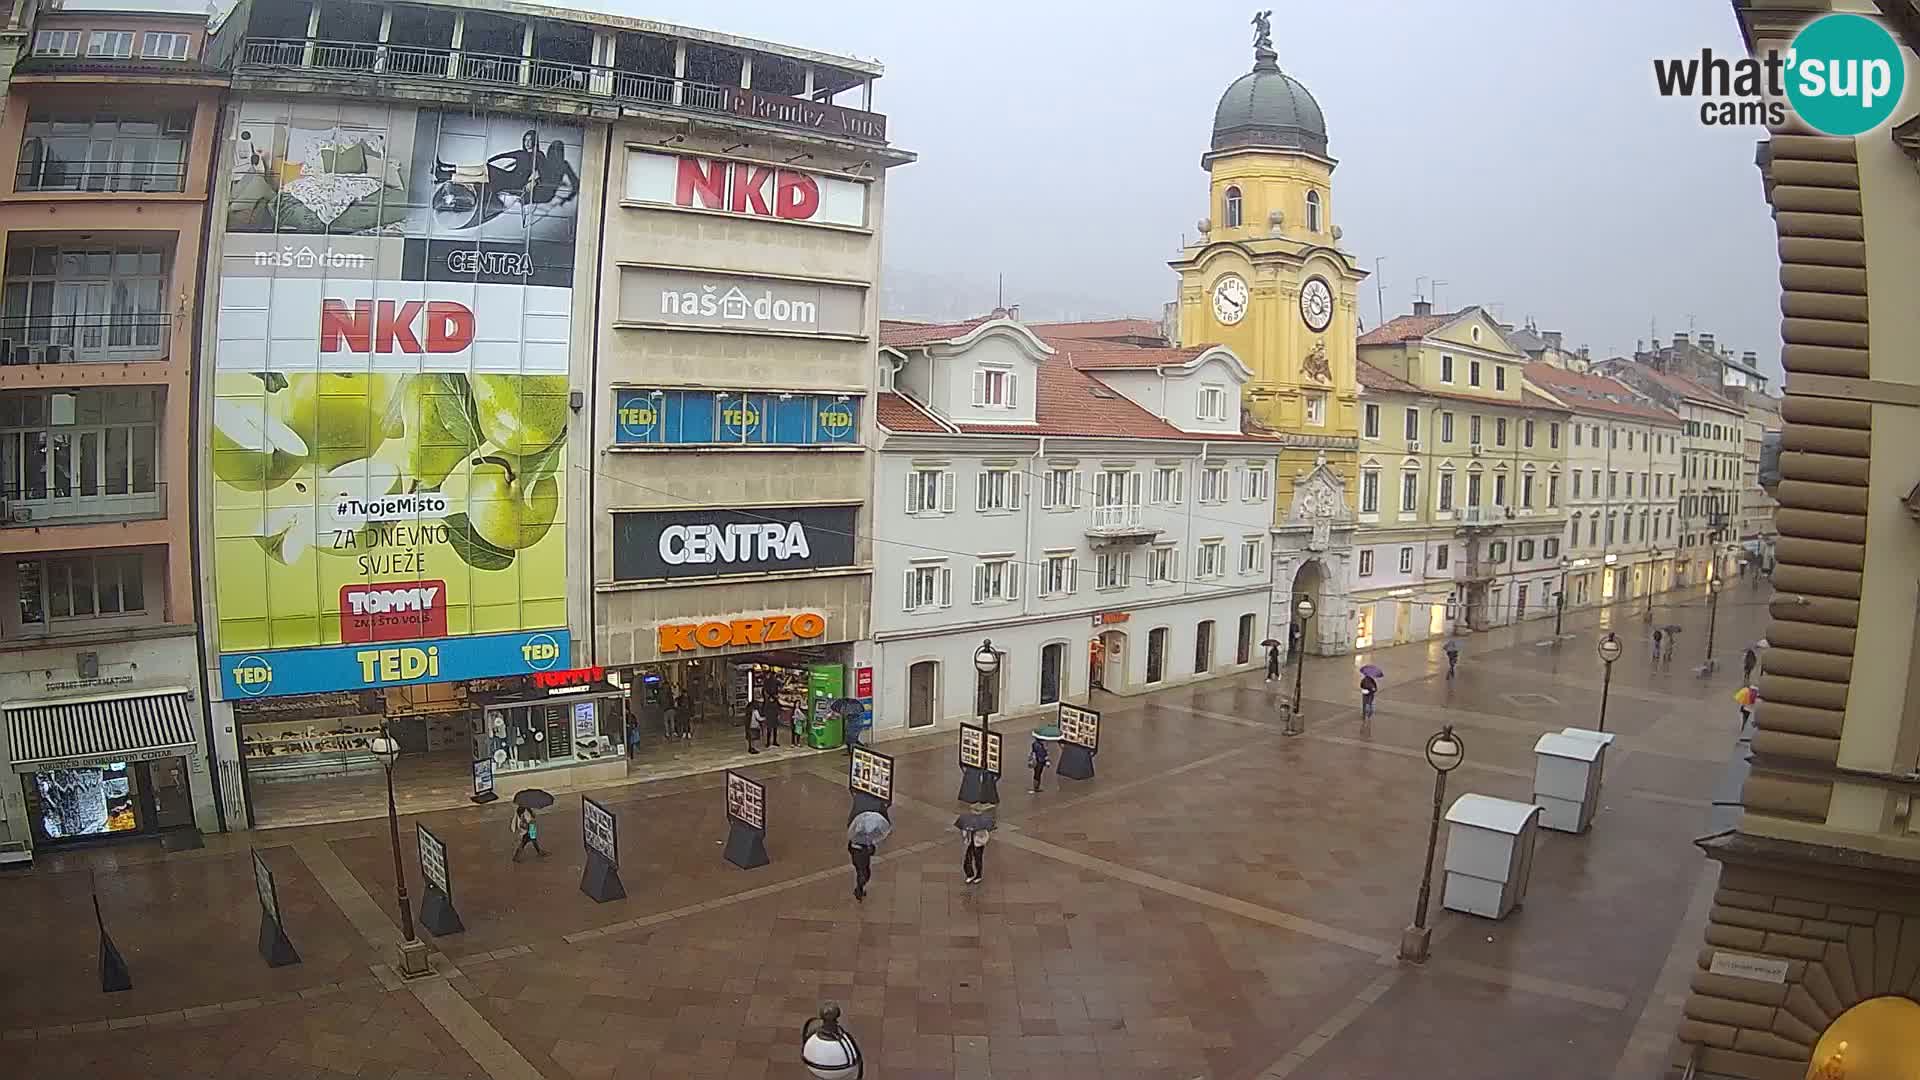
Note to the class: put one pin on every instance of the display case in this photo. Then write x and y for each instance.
(562, 730)
(282, 748)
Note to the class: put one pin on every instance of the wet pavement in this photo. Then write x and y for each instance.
(1220, 901)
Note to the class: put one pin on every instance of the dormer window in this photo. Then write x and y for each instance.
(994, 388)
(1213, 403)
(155, 45)
(1230, 213)
(1313, 211)
(110, 44)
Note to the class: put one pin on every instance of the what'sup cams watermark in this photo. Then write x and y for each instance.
(1841, 75)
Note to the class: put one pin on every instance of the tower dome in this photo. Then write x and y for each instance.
(1268, 109)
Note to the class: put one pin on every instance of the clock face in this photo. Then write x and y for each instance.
(1230, 299)
(1316, 304)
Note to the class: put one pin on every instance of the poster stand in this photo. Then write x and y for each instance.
(601, 879)
(437, 914)
(114, 976)
(274, 947)
(746, 822)
(1080, 739)
(600, 833)
(870, 780)
(979, 764)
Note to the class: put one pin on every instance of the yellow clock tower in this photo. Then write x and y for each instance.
(1267, 277)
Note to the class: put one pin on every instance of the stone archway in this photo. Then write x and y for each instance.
(1310, 581)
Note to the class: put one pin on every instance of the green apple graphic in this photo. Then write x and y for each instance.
(510, 507)
(441, 429)
(252, 449)
(342, 417)
(521, 414)
(290, 530)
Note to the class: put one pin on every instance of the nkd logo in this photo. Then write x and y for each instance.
(740, 188)
(387, 326)
(758, 542)
(734, 304)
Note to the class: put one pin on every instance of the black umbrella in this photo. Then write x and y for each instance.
(533, 798)
(974, 822)
(1270, 643)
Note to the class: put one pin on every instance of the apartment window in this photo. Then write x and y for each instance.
(1163, 564)
(85, 150)
(1576, 434)
(1500, 489)
(1593, 477)
(1059, 489)
(1058, 575)
(1370, 491)
(1212, 559)
(1371, 416)
(1526, 491)
(1499, 431)
(1316, 409)
(1256, 483)
(110, 44)
(161, 46)
(1593, 530)
(84, 303)
(1576, 480)
(1252, 556)
(1499, 377)
(1473, 489)
(1231, 210)
(1366, 562)
(1168, 480)
(1613, 438)
(1643, 485)
(1525, 551)
(85, 587)
(1406, 560)
(1116, 497)
(1441, 555)
(1610, 522)
(999, 489)
(996, 580)
(1313, 211)
(79, 444)
(995, 388)
(929, 586)
(1409, 491)
(1213, 403)
(1473, 373)
(1550, 548)
(1593, 435)
(1643, 525)
(1526, 434)
(1446, 493)
(1613, 483)
(1553, 436)
(56, 43)
(1497, 551)
(1413, 425)
(929, 491)
(1446, 427)
(1213, 484)
(1111, 570)
(1473, 429)
(1446, 368)
(1553, 491)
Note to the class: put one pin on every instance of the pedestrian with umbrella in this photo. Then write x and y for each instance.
(526, 825)
(1750, 661)
(864, 835)
(1673, 644)
(1272, 645)
(1746, 697)
(1370, 677)
(1038, 755)
(977, 827)
(1452, 649)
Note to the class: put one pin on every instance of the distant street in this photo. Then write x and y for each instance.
(1220, 901)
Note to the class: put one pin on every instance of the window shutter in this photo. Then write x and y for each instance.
(979, 386)
(1179, 486)
(982, 493)
(913, 493)
(1013, 389)
(1014, 484)
(1133, 488)
(979, 582)
(1073, 575)
(1073, 478)
(946, 492)
(1015, 571)
(906, 603)
(946, 586)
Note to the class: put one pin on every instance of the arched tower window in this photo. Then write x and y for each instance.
(1313, 211)
(1231, 212)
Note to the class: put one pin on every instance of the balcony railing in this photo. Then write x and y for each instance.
(554, 76)
(83, 339)
(67, 502)
(85, 176)
(1116, 517)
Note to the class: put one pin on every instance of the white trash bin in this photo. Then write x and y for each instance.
(1489, 855)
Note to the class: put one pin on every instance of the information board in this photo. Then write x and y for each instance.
(871, 773)
(482, 778)
(433, 860)
(599, 832)
(1080, 726)
(980, 748)
(746, 801)
(263, 885)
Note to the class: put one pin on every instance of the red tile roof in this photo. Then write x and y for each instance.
(897, 412)
(1099, 329)
(1685, 387)
(1374, 378)
(902, 333)
(1595, 393)
(1099, 356)
(1406, 328)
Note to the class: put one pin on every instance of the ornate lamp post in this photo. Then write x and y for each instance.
(1305, 610)
(828, 1050)
(1714, 585)
(1560, 598)
(986, 662)
(1610, 650)
(413, 951)
(1445, 752)
(1653, 560)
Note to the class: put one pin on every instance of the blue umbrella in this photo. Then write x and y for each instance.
(1373, 671)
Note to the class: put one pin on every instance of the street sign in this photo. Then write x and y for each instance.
(870, 772)
(1080, 726)
(746, 801)
(599, 831)
(433, 860)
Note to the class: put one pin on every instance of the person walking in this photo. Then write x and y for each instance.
(973, 863)
(1273, 662)
(1656, 645)
(685, 708)
(776, 717)
(756, 716)
(1750, 661)
(1037, 761)
(670, 717)
(862, 855)
(1369, 686)
(1453, 657)
(526, 829)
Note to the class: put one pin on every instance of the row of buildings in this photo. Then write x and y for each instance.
(494, 375)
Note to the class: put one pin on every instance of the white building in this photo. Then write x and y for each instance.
(1108, 528)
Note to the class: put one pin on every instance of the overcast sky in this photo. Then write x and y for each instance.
(1514, 149)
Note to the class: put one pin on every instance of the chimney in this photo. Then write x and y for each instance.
(1750, 358)
(1679, 340)
(1553, 339)
(1583, 353)
(1423, 307)
(1706, 342)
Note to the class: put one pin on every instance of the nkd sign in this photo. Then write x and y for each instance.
(388, 326)
(747, 188)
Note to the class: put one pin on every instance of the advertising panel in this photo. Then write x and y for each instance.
(1080, 726)
(651, 544)
(598, 831)
(746, 188)
(870, 772)
(734, 418)
(433, 860)
(388, 439)
(980, 748)
(746, 801)
(702, 300)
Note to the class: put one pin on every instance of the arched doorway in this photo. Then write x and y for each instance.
(922, 680)
(1107, 661)
(1310, 582)
(1053, 672)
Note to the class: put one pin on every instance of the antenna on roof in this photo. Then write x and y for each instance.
(1000, 301)
(1436, 290)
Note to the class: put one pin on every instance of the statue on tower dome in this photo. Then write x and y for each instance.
(1263, 30)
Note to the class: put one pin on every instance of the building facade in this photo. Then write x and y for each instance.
(1818, 875)
(107, 137)
(1101, 514)
(1622, 487)
(462, 360)
(1758, 530)
(1491, 456)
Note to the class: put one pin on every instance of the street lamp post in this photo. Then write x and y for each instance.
(413, 951)
(1653, 559)
(1305, 610)
(987, 663)
(1610, 650)
(1714, 586)
(1560, 598)
(828, 1050)
(1445, 752)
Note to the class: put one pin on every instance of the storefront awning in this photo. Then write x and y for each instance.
(127, 727)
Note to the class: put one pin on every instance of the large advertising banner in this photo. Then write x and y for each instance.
(388, 439)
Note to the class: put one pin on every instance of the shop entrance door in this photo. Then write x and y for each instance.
(920, 680)
(172, 798)
(1156, 654)
(1053, 662)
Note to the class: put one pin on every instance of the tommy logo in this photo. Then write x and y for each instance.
(393, 611)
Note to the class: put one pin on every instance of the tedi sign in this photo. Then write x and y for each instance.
(749, 540)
